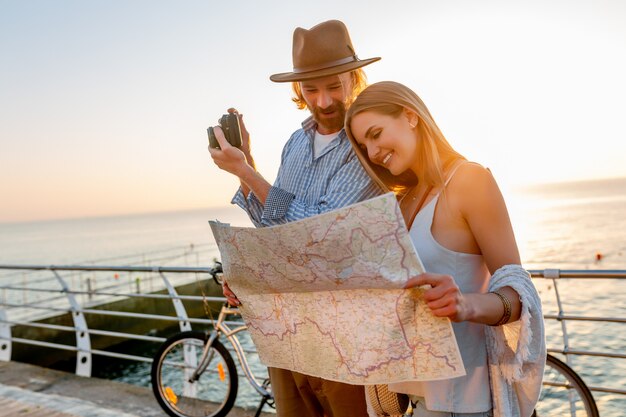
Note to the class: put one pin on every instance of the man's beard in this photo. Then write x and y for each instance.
(334, 123)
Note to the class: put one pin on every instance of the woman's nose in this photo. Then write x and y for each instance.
(372, 150)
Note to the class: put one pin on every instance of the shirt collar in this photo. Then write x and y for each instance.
(309, 125)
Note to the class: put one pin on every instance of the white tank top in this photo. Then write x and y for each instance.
(470, 393)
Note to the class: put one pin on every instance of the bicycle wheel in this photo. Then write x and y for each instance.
(212, 395)
(564, 393)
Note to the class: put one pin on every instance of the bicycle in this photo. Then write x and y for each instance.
(194, 375)
(564, 392)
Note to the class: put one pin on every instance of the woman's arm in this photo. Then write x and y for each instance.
(480, 204)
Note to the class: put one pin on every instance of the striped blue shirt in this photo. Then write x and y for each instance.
(305, 185)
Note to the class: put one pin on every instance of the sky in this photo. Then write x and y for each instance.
(104, 104)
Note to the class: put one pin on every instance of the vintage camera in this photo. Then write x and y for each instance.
(232, 131)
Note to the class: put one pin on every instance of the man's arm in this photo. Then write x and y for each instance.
(241, 164)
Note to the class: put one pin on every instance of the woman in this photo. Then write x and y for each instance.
(459, 224)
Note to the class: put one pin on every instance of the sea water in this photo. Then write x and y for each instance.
(578, 225)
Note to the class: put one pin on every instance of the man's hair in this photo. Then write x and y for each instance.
(359, 82)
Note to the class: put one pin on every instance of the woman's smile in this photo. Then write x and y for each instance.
(386, 158)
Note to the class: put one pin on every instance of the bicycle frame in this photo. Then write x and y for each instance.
(220, 327)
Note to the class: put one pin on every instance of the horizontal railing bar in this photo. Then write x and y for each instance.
(173, 269)
(575, 273)
(75, 349)
(588, 353)
(40, 343)
(128, 336)
(35, 307)
(607, 390)
(584, 318)
(89, 331)
(41, 325)
(141, 315)
(53, 280)
(120, 314)
(121, 355)
(112, 294)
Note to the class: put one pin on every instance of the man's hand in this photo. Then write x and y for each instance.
(245, 137)
(230, 296)
(228, 157)
(239, 162)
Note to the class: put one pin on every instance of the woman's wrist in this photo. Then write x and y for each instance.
(486, 308)
(506, 305)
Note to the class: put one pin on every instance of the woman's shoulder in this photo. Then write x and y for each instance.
(468, 173)
(472, 184)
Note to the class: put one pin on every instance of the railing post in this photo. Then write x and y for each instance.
(89, 289)
(179, 307)
(83, 341)
(5, 337)
(189, 351)
(555, 274)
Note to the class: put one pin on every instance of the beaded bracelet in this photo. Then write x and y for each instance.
(506, 316)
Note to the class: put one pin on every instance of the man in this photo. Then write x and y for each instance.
(319, 172)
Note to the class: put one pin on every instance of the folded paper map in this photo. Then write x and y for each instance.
(324, 296)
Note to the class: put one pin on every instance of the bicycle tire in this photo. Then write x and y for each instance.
(213, 395)
(564, 392)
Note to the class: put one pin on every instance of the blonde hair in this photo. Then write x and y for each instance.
(359, 82)
(434, 153)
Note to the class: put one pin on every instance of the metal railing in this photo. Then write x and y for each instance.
(54, 290)
(556, 276)
(16, 313)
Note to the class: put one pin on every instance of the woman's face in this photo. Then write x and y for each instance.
(389, 141)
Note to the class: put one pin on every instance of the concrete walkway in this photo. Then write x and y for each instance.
(31, 391)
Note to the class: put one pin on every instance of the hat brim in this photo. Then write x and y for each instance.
(325, 72)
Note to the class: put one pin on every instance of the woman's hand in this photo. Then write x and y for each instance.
(230, 296)
(443, 297)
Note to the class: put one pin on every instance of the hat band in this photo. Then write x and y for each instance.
(325, 65)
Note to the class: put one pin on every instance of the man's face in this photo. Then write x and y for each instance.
(326, 99)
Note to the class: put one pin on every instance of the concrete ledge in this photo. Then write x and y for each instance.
(42, 392)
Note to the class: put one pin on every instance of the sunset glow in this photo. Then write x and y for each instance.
(105, 105)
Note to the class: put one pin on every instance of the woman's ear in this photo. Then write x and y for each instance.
(411, 117)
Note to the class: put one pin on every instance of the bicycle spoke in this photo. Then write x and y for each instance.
(211, 395)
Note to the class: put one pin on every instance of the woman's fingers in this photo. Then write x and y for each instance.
(436, 285)
(449, 311)
(441, 302)
(441, 294)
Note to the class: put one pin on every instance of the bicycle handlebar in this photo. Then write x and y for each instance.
(215, 270)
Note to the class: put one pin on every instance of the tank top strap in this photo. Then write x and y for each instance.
(454, 169)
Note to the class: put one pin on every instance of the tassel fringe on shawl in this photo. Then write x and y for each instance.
(516, 351)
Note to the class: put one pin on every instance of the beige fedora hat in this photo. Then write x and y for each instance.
(323, 50)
